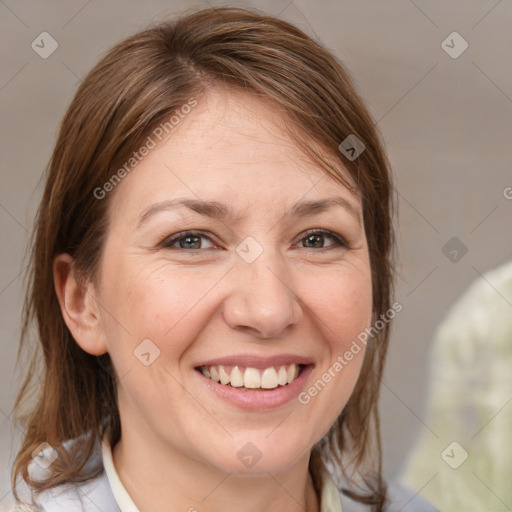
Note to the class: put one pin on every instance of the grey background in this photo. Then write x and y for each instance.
(446, 123)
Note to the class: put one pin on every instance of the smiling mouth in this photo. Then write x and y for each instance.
(248, 378)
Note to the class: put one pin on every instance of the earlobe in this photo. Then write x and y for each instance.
(78, 306)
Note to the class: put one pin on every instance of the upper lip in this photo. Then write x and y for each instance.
(255, 361)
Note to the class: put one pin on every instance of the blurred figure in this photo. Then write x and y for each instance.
(470, 404)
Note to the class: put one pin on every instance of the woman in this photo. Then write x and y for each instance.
(211, 279)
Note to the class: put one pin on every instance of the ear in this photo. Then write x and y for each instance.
(79, 307)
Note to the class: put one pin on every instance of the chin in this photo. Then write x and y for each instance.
(263, 454)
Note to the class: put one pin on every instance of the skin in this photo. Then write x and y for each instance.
(296, 297)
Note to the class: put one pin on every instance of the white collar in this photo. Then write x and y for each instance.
(123, 499)
(329, 500)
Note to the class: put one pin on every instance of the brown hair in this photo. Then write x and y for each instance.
(133, 87)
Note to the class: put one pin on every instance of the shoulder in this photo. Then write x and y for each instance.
(399, 499)
(89, 496)
(20, 507)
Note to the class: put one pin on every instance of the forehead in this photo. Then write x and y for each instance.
(232, 147)
(230, 126)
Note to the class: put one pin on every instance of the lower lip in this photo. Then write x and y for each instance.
(259, 399)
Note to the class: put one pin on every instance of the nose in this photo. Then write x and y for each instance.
(262, 301)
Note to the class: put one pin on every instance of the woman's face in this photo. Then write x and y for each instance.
(250, 295)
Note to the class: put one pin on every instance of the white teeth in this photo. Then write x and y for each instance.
(214, 374)
(224, 377)
(282, 376)
(269, 378)
(252, 378)
(237, 379)
(293, 371)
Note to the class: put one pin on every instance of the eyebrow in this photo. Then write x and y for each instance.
(222, 211)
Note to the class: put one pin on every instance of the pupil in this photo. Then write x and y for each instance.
(315, 238)
(189, 244)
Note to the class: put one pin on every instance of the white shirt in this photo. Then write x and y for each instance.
(106, 493)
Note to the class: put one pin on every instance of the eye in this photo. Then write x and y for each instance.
(187, 240)
(315, 239)
(193, 240)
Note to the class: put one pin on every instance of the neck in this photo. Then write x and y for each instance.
(184, 483)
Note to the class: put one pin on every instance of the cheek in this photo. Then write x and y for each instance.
(148, 332)
(341, 303)
(155, 303)
(341, 306)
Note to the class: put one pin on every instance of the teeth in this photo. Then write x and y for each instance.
(237, 379)
(293, 372)
(224, 377)
(252, 378)
(282, 376)
(269, 378)
(214, 373)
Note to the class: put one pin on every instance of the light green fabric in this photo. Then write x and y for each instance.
(470, 404)
(330, 499)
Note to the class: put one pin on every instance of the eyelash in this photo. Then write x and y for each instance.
(338, 240)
